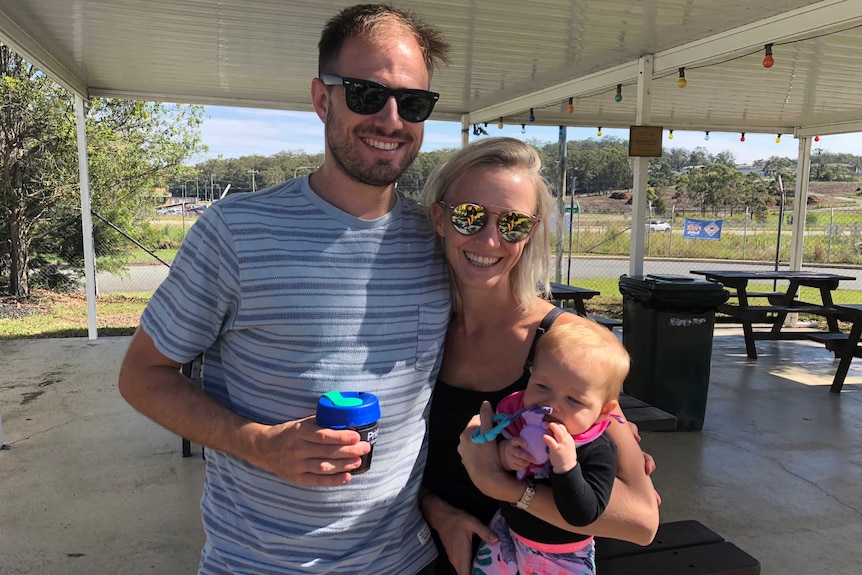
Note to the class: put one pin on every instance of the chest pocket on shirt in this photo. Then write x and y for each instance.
(433, 320)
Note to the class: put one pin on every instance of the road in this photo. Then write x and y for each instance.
(148, 278)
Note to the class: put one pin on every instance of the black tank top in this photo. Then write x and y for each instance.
(451, 409)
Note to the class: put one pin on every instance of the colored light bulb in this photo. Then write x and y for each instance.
(619, 96)
(523, 128)
(778, 139)
(742, 137)
(532, 116)
(571, 107)
(670, 135)
(599, 132)
(682, 83)
(816, 138)
(706, 137)
(768, 60)
(500, 124)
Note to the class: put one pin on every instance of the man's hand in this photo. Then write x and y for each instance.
(561, 448)
(304, 453)
(456, 529)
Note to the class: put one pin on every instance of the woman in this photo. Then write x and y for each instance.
(491, 207)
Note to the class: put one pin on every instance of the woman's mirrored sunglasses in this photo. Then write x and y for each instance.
(366, 97)
(468, 219)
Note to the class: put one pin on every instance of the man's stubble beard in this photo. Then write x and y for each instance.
(349, 161)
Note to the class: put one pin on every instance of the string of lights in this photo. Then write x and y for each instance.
(768, 62)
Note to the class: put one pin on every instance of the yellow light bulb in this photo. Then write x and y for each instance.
(778, 139)
(681, 83)
(599, 132)
(670, 135)
(500, 124)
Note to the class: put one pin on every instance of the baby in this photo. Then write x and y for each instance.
(574, 385)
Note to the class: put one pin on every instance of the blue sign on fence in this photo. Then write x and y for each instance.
(702, 229)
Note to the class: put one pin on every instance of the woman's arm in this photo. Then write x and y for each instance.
(631, 515)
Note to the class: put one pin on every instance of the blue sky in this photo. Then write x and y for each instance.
(235, 132)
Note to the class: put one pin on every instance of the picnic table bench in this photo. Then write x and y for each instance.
(679, 547)
(844, 345)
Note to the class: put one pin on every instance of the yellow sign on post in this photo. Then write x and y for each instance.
(645, 141)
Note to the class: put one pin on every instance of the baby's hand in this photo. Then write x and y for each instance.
(561, 448)
(512, 454)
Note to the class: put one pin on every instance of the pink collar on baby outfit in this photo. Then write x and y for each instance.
(596, 430)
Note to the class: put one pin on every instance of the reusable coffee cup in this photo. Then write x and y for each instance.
(356, 410)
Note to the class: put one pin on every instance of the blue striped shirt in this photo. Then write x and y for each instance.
(291, 298)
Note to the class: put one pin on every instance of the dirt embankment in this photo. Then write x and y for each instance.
(821, 194)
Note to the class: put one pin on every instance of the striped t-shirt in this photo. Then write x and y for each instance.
(291, 298)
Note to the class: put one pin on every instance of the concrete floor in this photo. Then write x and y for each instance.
(88, 486)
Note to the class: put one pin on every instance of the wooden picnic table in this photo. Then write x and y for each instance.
(562, 293)
(780, 302)
(844, 345)
(572, 298)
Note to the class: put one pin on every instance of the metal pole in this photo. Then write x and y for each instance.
(780, 222)
(571, 220)
(86, 218)
(560, 205)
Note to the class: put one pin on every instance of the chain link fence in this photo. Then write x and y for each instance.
(594, 247)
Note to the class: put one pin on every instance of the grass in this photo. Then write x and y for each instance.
(49, 315)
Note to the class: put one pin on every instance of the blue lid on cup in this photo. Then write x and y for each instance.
(343, 409)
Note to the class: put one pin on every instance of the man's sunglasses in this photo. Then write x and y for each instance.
(366, 97)
(469, 219)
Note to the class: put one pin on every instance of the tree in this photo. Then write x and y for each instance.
(132, 146)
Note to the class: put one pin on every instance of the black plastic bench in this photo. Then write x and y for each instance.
(680, 547)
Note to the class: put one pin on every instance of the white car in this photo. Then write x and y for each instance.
(658, 226)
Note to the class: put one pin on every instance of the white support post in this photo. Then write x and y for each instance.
(561, 195)
(800, 203)
(641, 167)
(86, 219)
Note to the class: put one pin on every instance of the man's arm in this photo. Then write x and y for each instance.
(298, 451)
(632, 512)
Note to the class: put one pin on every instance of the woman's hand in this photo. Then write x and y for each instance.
(482, 461)
(649, 460)
(456, 529)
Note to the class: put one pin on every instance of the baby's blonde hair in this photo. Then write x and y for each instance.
(592, 344)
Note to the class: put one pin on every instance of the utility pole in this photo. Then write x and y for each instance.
(253, 172)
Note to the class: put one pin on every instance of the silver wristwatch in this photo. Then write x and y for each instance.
(527, 497)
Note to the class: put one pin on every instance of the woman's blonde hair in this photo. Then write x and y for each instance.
(529, 277)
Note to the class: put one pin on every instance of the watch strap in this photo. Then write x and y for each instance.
(527, 497)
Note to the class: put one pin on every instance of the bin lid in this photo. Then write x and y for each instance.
(673, 291)
(670, 282)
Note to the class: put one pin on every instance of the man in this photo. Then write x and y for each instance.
(329, 282)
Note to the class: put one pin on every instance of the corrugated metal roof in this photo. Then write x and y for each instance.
(507, 57)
